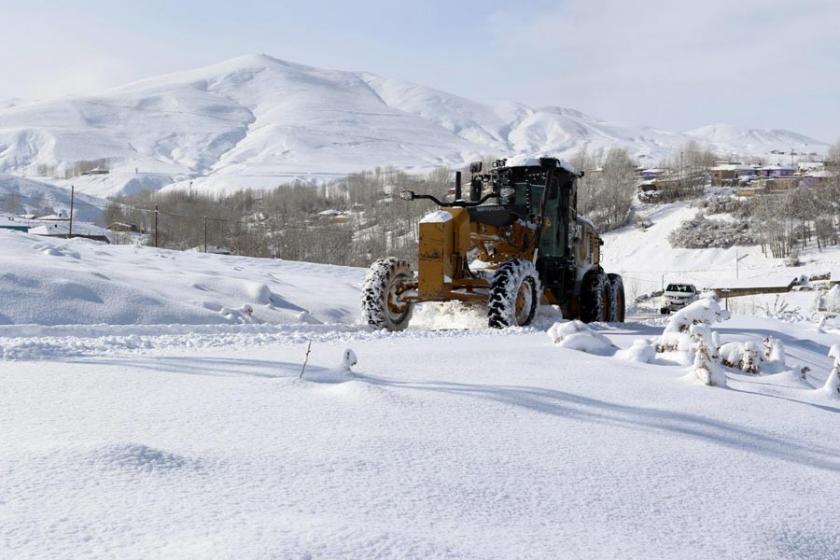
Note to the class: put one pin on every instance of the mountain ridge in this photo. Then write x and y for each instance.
(256, 121)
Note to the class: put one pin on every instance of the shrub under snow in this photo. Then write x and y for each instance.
(641, 351)
(577, 335)
(676, 337)
(746, 356)
(704, 368)
(700, 233)
(832, 299)
(832, 384)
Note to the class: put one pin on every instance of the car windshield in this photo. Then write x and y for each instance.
(685, 288)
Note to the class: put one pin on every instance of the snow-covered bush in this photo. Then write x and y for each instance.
(832, 299)
(577, 335)
(675, 337)
(700, 233)
(641, 351)
(736, 206)
(704, 368)
(832, 384)
(774, 355)
(746, 356)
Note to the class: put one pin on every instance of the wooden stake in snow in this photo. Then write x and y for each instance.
(305, 360)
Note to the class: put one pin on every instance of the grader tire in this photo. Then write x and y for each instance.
(515, 294)
(381, 308)
(595, 298)
(617, 303)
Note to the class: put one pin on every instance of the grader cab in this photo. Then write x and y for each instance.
(515, 242)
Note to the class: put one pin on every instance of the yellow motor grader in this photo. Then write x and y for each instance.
(515, 242)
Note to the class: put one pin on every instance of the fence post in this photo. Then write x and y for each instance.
(205, 234)
(72, 198)
(156, 225)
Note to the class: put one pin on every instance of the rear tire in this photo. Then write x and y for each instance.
(515, 294)
(595, 298)
(617, 304)
(381, 307)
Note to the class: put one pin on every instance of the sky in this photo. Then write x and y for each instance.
(671, 64)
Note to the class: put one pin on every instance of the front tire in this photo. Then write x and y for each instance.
(381, 305)
(595, 298)
(617, 304)
(515, 294)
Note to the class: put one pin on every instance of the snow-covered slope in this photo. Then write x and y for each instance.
(647, 261)
(255, 121)
(727, 138)
(25, 196)
(58, 282)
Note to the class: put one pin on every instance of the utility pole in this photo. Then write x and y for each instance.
(156, 225)
(205, 234)
(72, 197)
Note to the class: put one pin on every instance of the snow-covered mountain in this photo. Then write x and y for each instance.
(729, 138)
(256, 121)
(25, 196)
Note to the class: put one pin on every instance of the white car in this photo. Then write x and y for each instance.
(677, 296)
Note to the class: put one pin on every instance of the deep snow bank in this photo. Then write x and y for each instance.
(54, 282)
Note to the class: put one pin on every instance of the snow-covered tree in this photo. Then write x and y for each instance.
(675, 336)
(832, 384)
(704, 367)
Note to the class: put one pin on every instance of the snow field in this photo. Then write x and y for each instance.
(498, 447)
(61, 282)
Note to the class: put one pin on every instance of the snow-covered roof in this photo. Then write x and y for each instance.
(775, 168)
(63, 228)
(534, 161)
(733, 167)
(587, 221)
(820, 173)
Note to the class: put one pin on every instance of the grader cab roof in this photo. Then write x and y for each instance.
(534, 161)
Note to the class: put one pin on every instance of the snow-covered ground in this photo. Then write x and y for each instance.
(647, 261)
(145, 414)
(58, 282)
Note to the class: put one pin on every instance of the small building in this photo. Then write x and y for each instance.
(123, 227)
(96, 171)
(57, 217)
(732, 174)
(80, 229)
(769, 171)
(13, 223)
(652, 173)
(777, 184)
(334, 216)
(816, 178)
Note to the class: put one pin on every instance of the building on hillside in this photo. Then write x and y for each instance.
(123, 227)
(816, 178)
(770, 185)
(80, 229)
(57, 217)
(334, 216)
(769, 171)
(810, 166)
(732, 174)
(13, 223)
(652, 173)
